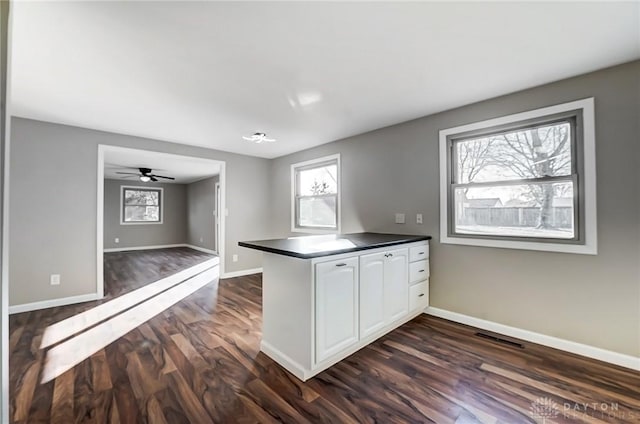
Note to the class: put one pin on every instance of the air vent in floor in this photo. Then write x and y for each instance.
(499, 340)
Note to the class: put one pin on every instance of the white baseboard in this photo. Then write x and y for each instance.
(160, 246)
(201, 249)
(126, 249)
(28, 307)
(593, 352)
(241, 273)
(292, 366)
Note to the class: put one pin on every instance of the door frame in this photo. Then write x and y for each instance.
(216, 223)
(102, 149)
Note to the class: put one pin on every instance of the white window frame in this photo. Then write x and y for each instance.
(590, 244)
(127, 187)
(312, 230)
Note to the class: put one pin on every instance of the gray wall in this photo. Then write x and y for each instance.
(53, 201)
(593, 300)
(201, 202)
(173, 229)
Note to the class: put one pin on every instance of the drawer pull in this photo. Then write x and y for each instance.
(390, 254)
(341, 264)
(421, 294)
(420, 253)
(422, 270)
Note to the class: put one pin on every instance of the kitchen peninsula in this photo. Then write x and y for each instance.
(324, 297)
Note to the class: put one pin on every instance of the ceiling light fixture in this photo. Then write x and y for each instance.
(145, 178)
(259, 137)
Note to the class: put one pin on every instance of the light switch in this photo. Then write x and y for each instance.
(419, 218)
(400, 218)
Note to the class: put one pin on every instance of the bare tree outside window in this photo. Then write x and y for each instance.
(520, 182)
(141, 205)
(316, 195)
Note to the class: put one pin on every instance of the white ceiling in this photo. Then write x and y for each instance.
(184, 169)
(206, 73)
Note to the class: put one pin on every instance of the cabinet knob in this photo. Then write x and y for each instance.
(341, 264)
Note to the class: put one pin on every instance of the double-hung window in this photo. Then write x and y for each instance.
(316, 195)
(140, 205)
(524, 181)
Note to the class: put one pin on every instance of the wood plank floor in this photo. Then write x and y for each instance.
(199, 362)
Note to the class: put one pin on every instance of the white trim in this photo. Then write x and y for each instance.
(4, 299)
(292, 366)
(593, 352)
(100, 224)
(241, 273)
(294, 228)
(201, 249)
(153, 247)
(142, 188)
(44, 304)
(217, 195)
(589, 177)
(159, 246)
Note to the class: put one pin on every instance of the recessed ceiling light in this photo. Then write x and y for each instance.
(259, 137)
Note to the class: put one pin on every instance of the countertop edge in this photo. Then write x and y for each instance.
(333, 252)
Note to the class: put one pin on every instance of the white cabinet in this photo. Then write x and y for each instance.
(372, 291)
(384, 292)
(396, 289)
(418, 278)
(336, 306)
(318, 311)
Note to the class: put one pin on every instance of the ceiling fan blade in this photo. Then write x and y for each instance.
(160, 176)
(153, 178)
(128, 173)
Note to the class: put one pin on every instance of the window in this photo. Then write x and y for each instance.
(141, 205)
(524, 181)
(316, 195)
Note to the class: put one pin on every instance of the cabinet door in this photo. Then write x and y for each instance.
(336, 306)
(396, 285)
(372, 300)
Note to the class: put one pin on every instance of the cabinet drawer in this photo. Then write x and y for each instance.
(419, 296)
(418, 271)
(418, 253)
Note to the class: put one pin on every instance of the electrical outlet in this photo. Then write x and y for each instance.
(54, 279)
(235, 258)
(117, 240)
(400, 218)
(419, 218)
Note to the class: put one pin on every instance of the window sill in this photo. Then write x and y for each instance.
(582, 249)
(140, 223)
(315, 230)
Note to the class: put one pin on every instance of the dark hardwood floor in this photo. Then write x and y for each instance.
(126, 271)
(199, 362)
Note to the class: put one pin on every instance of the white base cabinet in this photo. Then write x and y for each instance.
(317, 312)
(336, 306)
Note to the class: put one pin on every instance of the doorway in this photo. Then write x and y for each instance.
(123, 168)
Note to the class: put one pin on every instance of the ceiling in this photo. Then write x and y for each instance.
(207, 73)
(184, 169)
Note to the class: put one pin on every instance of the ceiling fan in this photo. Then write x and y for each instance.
(145, 175)
(259, 137)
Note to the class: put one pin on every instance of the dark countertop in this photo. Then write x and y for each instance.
(309, 247)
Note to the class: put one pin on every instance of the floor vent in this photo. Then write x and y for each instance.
(499, 340)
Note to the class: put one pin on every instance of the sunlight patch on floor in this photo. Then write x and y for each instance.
(77, 323)
(68, 354)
